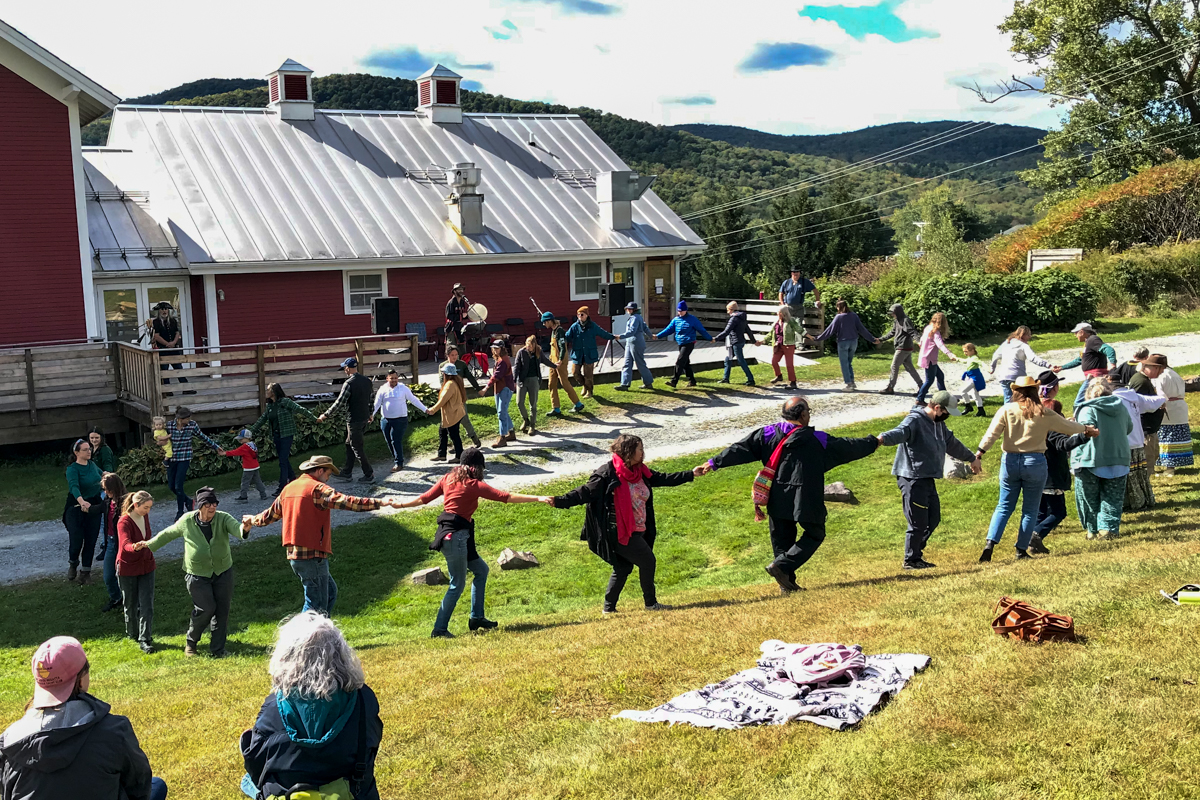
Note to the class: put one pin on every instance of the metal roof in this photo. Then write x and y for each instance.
(240, 185)
(292, 66)
(121, 227)
(438, 71)
(94, 100)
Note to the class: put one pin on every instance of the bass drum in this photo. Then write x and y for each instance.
(477, 313)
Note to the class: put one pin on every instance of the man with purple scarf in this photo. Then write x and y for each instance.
(797, 496)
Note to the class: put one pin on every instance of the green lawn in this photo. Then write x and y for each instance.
(36, 490)
(525, 712)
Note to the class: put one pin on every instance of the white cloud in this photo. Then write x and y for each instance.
(633, 63)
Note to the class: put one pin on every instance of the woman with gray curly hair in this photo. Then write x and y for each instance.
(320, 727)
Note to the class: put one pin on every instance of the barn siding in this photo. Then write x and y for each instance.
(39, 231)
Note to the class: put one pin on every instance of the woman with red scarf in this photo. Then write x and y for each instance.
(619, 523)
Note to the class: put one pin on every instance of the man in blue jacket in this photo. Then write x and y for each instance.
(924, 441)
(686, 329)
(634, 339)
(584, 353)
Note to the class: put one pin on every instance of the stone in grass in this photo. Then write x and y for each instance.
(517, 559)
(837, 492)
(430, 577)
(956, 470)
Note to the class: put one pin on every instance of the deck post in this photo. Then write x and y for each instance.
(414, 357)
(155, 387)
(114, 355)
(358, 352)
(262, 379)
(29, 387)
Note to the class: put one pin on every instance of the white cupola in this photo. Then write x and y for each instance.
(437, 95)
(290, 90)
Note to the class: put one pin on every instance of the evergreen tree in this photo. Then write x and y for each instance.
(724, 269)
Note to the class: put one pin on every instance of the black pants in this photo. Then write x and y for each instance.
(683, 364)
(1051, 513)
(82, 531)
(635, 554)
(356, 449)
(792, 553)
(923, 510)
(165, 367)
(447, 435)
(137, 594)
(211, 598)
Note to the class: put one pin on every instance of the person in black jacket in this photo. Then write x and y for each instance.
(1053, 509)
(797, 494)
(619, 522)
(357, 395)
(737, 335)
(320, 725)
(68, 744)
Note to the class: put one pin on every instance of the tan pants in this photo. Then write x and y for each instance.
(557, 376)
(586, 380)
(1151, 450)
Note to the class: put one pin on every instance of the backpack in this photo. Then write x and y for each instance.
(760, 491)
(341, 789)
(821, 663)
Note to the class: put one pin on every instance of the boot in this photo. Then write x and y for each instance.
(1023, 555)
(1035, 545)
(981, 412)
(777, 379)
(72, 572)
(792, 385)
(968, 408)
(986, 555)
(500, 442)
(477, 441)
(511, 436)
(85, 577)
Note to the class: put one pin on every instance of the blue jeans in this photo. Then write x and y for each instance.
(248, 787)
(734, 353)
(503, 398)
(1021, 474)
(283, 448)
(846, 351)
(1079, 396)
(932, 372)
(176, 475)
(111, 545)
(455, 551)
(393, 433)
(1007, 387)
(635, 356)
(158, 789)
(320, 590)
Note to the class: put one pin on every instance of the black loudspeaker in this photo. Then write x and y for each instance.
(385, 315)
(612, 300)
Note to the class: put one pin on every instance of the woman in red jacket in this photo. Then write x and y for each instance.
(463, 488)
(135, 569)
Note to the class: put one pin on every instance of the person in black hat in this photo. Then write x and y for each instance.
(356, 395)
(1053, 508)
(166, 337)
(456, 314)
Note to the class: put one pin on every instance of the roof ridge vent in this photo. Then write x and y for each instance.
(438, 96)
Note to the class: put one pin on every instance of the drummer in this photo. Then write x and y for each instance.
(456, 314)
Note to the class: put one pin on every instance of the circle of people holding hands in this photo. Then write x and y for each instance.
(1130, 419)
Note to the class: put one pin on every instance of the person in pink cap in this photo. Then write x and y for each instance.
(68, 744)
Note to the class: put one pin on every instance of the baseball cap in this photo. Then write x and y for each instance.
(1083, 326)
(245, 433)
(945, 400)
(56, 665)
(349, 362)
(631, 306)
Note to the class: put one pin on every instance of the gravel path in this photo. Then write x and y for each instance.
(699, 423)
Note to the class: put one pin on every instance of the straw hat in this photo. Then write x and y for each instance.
(320, 462)
(1025, 382)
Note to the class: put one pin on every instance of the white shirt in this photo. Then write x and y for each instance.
(1169, 385)
(1138, 404)
(1013, 355)
(395, 400)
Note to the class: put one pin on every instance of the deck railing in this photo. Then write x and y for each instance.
(57, 376)
(760, 314)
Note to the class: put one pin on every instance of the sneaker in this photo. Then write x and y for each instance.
(343, 478)
(475, 440)
(532, 431)
(692, 384)
(438, 458)
(928, 564)
(555, 412)
(242, 500)
(368, 479)
(220, 654)
(147, 647)
(396, 468)
(749, 383)
(986, 555)
(1023, 555)
(605, 612)
(782, 578)
(500, 442)
(189, 651)
(441, 635)
(777, 379)
(672, 383)
(621, 387)
(849, 387)
(511, 436)
(888, 390)
(1107, 535)
(110, 605)
(579, 406)
(1036, 545)
(658, 607)
(918, 564)
(72, 573)
(968, 408)
(723, 380)
(482, 623)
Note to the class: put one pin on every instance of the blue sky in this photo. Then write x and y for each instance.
(815, 66)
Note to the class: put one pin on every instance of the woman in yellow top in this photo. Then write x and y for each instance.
(452, 404)
(1022, 425)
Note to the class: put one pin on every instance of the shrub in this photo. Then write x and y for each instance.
(1144, 276)
(873, 313)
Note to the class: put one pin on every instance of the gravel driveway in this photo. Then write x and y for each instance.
(700, 423)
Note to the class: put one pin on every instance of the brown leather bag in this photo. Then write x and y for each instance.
(1019, 620)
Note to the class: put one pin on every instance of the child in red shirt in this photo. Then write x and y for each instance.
(463, 488)
(248, 453)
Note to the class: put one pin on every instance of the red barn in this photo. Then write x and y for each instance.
(44, 254)
(286, 222)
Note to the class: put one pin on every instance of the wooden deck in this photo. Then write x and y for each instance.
(60, 391)
(760, 315)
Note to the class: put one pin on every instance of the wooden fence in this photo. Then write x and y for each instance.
(237, 377)
(760, 314)
(41, 378)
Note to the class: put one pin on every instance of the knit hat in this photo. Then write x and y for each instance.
(206, 495)
(56, 665)
(682, 306)
(547, 316)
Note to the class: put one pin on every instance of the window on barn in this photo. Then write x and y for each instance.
(585, 279)
(363, 287)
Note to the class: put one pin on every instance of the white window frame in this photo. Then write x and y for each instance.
(600, 279)
(383, 278)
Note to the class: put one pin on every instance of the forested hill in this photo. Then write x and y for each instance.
(694, 171)
(966, 146)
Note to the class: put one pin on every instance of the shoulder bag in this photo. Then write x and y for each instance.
(760, 492)
(1019, 620)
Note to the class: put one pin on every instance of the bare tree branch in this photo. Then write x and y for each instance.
(1017, 86)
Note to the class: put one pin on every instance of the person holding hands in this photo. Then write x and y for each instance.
(391, 401)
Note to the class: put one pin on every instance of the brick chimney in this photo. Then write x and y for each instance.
(290, 91)
(437, 96)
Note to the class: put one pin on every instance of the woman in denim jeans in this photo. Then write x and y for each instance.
(933, 338)
(463, 488)
(504, 386)
(845, 330)
(1023, 425)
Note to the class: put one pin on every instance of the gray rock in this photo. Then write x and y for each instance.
(517, 559)
(430, 577)
(957, 470)
(837, 492)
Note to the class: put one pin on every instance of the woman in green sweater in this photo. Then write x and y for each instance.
(102, 454)
(207, 567)
(82, 513)
(280, 416)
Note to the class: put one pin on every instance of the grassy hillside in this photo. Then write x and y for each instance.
(525, 712)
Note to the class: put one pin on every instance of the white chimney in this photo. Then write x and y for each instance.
(437, 96)
(290, 90)
(465, 203)
(615, 192)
